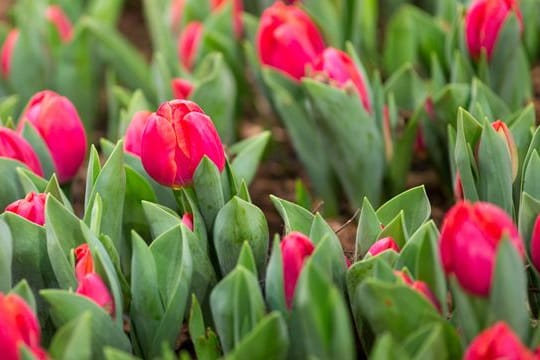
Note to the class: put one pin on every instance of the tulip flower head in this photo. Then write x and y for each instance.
(469, 239)
(484, 21)
(84, 264)
(189, 43)
(237, 13)
(6, 53)
(61, 22)
(288, 40)
(187, 219)
(176, 138)
(181, 88)
(57, 121)
(93, 287)
(419, 286)
(535, 244)
(383, 244)
(134, 132)
(295, 249)
(32, 207)
(502, 130)
(14, 146)
(175, 14)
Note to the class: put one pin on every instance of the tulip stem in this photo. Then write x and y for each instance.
(183, 206)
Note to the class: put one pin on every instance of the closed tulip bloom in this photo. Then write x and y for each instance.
(134, 132)
(295, 249)
(189, 43)
(32, 207)
(469, 239)
(383, 244)
(6, 53)
(57, 121)
(61, 22)
(502, 130)
(181, 88)
(18, 326)
(340, 70)
(175, 14)
(237, 13)
(15, 147)
(84, 264)
(535, 244)
(498, 342)
(187, 219)
(419, 286)
(484, 21)
(93, 287)
(288, 40)
(176, 138)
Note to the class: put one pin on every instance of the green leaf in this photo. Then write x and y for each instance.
(369, 227)
(10, 188)
(207, 185)
(248, 154)
(246, 259)
(296, 218)
(387, 348)
(6, 244)
(205, 341)
(73, 339)
(24, 291)
(40, 147)
(396, 230)
(274, 288)
(137, 190)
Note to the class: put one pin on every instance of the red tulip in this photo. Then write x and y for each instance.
(419, 286)
(288, 40)
(535, 244)
(84, 264)
(187, 220)
(176, 138)
(15, 147)
(189, 43)
(237, 14)
(295, 249)
(6, 53)
(18, 326)
(383, 244)
(498, 342)
(32, 207)
(469, 239)
(134, 132)
(59, 19)
(94, 288)
(503, 131)
(484, 22)
(338, 67)
(176, 12)
(181, 88)
(57, 121)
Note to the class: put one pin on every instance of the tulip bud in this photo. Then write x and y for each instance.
(6, 53)
(503, 131)
(498, 342)
(535, 244)
(288, 40)
(484, 22)
(187, 220)
(469, 239)
(94, 288)
(18, 326)
(176, 138)
(295, 249)
(181, 88)
(237, 14)
(189, 43)
(134, 132)
(419, 286)
(383, 244)
(15, 147)
(57, 121)
(176, 12)
(341, 72)
(458, 188)
(84, 264)
(32, 207)
(59, 19)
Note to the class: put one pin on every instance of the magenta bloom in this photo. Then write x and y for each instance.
(176, 138)
(6, 53)
(237, 13)
(84, 263)
(288, 40)
(32, 207)
(189, 43)
(181, 88)
(383, 244)
(295, 249)
(15, 147)
(61, 22)
(134, 132)
(419, 286)
(187, 219)
(469, 239)
(57, 121)
(95, 289)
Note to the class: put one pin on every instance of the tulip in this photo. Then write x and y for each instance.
(295, 249)
(498, 342)
(15, 147)
(95, 289)
(187, 220)
(503, 131)
(176, 12)
(189, 43)
(181, 88)
(237, 14)
(535, 244)
(383, 244)
(288, 40)
(176, 138)
(61, 22)
(57, 121)
(84, 264)
(458, 188)
(484, 21)
(134, 132)
(18, 326)
(339, 69)
(469, 239)
(420, 287)
(6, 53)
(32, 207)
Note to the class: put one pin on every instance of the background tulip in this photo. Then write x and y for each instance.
(14, 146)
(295, 249)
(134, 132)
(6, 53)
(94, 288)
(237, 13)
(59, 19)
(418, 286)
(484, 21)
(383, 244)
(57, 121)
(188, 44)
(187, 219)
(181, 88)
(535, 244)
(176, 138)
(32, 207)
(175, 14)
(469, 239)
(84, 264)
(502, 129)
(288, 40)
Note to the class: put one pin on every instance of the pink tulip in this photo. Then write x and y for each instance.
(187, 220)
(484, 21)
(176, 12)
(237, 13)
(338, 68)
(134, 132)
(288, 40)
(295, 249)
(6, 53)
(383, 244)
(93, 287)
(15, 147)
(84, 263)
(59, 19)
(502, 130)
(469, 239)
(189, 43)
(181, 88)
(57, 121)
(176, 138)
(419, 286)
(32, 207)
(535, 244)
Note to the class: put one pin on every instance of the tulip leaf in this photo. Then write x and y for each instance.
(25, 292)
(369, 227)
(326, 15)
(426, 341)
(246, 259)
(6, 244)
(463, 160)
(387, 348)
(470, 311)
(407, 87)
(73, 339)
(160, 218)
(274, 286)
(296, 218)
(248, 154)
(528, 211)
(10, 188)
(207, 185)
(488, 101)
(92, 171)
(30, 181)
(40, 147)
(395, 229)
(531, 177)
(115, 354)
(137, 190)
(204, 340)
